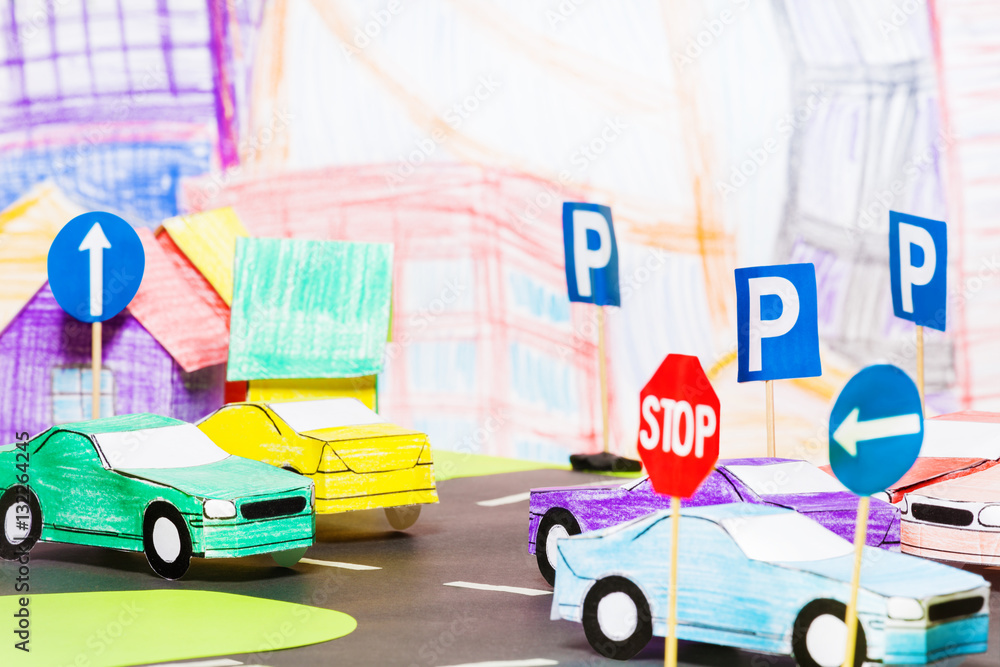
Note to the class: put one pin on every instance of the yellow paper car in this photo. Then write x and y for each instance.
(356, 459)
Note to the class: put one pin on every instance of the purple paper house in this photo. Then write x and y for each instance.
(45, 375)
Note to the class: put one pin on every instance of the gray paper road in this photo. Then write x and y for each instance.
(406, 616)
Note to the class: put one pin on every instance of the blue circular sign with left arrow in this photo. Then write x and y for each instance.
(876, 429)
(95, 266)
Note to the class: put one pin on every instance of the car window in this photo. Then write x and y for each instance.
(243, 414)
(68, 448)
(716, 490)
(785, 537)
(175, 446)
(302, 416)
(945, 437)
(641, 484)
(708, 535)
(790, 477)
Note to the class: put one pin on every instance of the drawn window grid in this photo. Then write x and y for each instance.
(537, 301)
(136, 50)
(72, 393)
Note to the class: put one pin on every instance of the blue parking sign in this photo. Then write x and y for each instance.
(591, 254)
(777, 327)
(95, 266)
(876, 429)
(918, 269)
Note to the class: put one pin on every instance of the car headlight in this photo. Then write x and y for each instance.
(904, 505)
(219, 509)
(990, 516)
(905, 609)
(312, 496)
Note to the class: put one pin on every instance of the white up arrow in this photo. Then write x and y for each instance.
(96, 242)
(851, 431)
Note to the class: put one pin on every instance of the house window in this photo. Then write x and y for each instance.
(543, 379)
(72, 394)
(532, 297)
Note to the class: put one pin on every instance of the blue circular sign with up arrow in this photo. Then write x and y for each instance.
(876, 429)
(95, 266)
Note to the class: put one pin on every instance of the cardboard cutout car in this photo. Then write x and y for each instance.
(356, 459)
(151, 484)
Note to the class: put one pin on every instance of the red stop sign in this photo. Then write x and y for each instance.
(678, 426)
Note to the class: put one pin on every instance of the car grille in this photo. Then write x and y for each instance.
(943, 611)
(948, 516)
(268, 509)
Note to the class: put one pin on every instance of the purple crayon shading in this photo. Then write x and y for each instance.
(45, 370)
(797, 485)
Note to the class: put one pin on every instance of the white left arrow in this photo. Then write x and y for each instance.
(851, 431)
(96, 243)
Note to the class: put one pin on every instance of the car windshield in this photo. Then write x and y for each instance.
(176, 446)
(961, 439)
(785, 537)
(791, 477)
(632, 485)
(304, 416)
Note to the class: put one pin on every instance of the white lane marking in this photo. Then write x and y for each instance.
(333, 563)
(502, 589)
(532, 662)
(506, 500)
(222, 662)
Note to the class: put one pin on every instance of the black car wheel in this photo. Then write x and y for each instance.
(819, 636)
(555, 523)
(22, 522)
(616, 618)
(166, 540)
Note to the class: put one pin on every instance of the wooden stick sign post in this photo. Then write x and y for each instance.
(777, 328)
(95, 266)
(876, 430)
(679, 445)
(592, 277)
(918, 271)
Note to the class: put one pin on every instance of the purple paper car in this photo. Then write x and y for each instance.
(798, 485)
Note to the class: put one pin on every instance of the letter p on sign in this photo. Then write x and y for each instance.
(591, 254)
(918, 267)
(776, 316)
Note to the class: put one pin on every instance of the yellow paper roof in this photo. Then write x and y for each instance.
(27, 229)
(209, 240)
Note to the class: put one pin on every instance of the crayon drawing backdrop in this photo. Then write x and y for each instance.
(722, 133)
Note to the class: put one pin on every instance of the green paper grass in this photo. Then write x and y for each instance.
(119, 628)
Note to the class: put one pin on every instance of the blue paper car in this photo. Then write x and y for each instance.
(765, 579)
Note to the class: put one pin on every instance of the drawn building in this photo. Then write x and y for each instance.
(487, 355)
(866, 138)
(115, 103)
(46, 374)
(965, 37)
(163, 354)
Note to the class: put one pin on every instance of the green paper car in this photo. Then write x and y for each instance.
(152, 484)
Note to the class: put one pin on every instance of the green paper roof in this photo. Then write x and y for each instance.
(309, 309)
